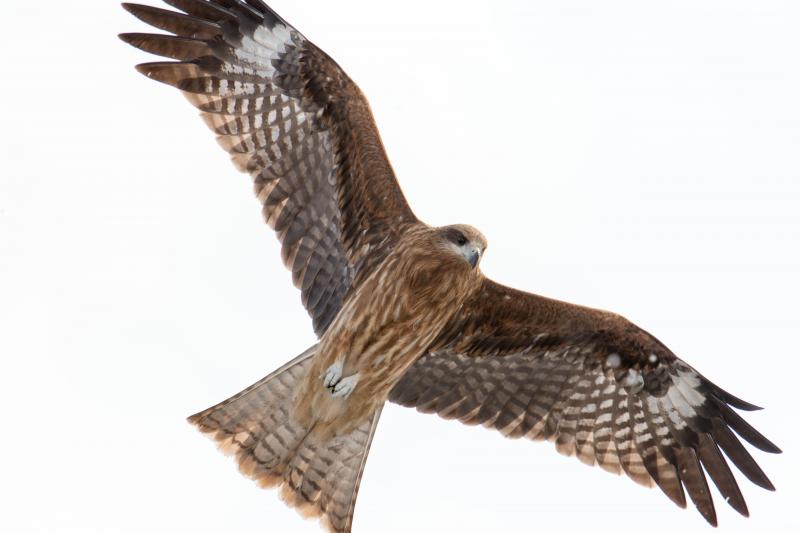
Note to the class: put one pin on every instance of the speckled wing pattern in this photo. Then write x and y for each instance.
(600, 387)
(290, 117)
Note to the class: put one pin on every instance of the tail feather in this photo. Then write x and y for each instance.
(318, 477)
(256, 425)
(323, 478)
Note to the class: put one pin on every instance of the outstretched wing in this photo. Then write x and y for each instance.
(289, 116)
(600, 387)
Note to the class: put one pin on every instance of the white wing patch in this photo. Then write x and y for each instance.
(265, 45)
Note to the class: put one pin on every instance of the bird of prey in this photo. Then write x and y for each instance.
(401, 309)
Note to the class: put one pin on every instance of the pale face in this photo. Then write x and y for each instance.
(464, 241)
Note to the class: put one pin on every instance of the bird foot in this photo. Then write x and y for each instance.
(345, 386)
(338, 385)
(332, 376)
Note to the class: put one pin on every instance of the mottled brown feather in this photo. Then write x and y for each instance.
(598, 386)
(292, 119)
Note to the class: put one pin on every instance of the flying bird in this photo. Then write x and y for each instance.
(401, 309)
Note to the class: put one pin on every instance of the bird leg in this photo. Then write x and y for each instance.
(338, 385)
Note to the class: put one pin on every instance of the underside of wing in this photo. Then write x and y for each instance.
(290, 117)
(598, 386)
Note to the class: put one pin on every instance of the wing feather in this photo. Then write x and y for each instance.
(599, 387)
(177, 23)
(289, 116)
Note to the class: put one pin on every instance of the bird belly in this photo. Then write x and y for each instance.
(378, 333)
(381, 361)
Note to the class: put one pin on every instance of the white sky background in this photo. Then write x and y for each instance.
(637, 156)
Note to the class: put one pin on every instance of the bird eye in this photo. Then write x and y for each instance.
(455, 236)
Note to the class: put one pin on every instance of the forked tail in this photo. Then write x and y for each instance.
(257, 426)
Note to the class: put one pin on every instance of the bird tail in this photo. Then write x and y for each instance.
(257, 426)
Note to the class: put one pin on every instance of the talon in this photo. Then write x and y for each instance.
(345, 386)
(332, 376)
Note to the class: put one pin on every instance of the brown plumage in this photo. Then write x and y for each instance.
(386, 324)
(401, 309)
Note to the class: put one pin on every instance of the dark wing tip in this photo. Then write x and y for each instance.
(736, 452)
(745, 430)
(169, 72)
(205, 10)
(160, 71)
(773, 449)
(146, 13)
(715, 465)
(129, 38)
(173, 47)
(741, 404)
(732, 400)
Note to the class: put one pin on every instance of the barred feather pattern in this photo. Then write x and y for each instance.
(320, 478)
(597, 386)
(290, 117)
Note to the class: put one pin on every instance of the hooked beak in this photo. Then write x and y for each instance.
(474, 257)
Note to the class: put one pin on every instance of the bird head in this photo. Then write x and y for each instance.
(464, 241)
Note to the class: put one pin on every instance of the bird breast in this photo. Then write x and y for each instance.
(392, 317)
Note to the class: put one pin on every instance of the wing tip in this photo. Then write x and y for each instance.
(709, 513)
(144, 12)
(735, 401)
(773, 448)
(154, 71)
(725, 402)
(768, 486)
(130, 7)
(170, 46)
(131, 38)
(174, 73)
